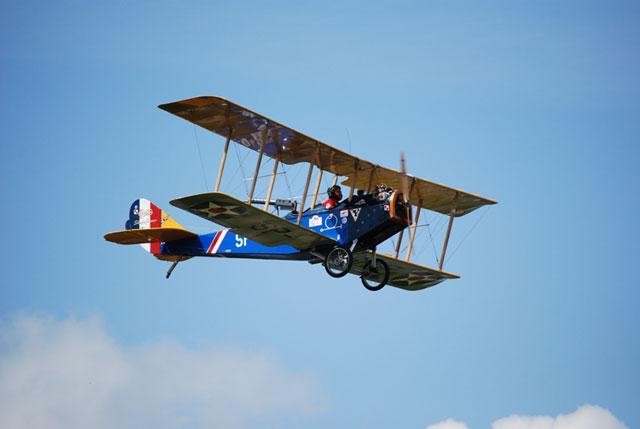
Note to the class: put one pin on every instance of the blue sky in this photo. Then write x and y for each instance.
(532, 104)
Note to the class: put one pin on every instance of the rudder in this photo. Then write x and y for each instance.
(149, 226)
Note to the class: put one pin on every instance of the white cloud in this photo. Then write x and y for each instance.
(585, 417)
(448, 424)
(72, 374)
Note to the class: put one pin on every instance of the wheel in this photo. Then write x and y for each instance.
(338, 262)
(376, 278)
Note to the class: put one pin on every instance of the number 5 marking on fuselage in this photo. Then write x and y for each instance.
(241, 241)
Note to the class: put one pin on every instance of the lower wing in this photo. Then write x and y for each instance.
(251, 222)
(403, 274)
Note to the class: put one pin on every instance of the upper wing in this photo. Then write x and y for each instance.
(250, 222)
(404, 275)
(251, 129)
(422, 193)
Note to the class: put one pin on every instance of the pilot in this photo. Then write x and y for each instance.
(383, 192)
(335, 195)
(360, 198)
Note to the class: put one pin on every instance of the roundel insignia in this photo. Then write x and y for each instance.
(213, 210)
(331, 221)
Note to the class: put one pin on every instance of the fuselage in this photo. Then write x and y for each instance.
(364, 220)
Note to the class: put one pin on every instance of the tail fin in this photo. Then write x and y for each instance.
(149, 226)
(143, 214)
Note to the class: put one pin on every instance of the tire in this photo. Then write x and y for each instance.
(338, 262)
(375, 279)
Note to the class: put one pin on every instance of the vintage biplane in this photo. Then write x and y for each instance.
(343, 239)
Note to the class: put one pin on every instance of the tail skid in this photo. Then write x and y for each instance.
(175, 264)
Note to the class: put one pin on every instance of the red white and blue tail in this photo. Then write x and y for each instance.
(149, 226)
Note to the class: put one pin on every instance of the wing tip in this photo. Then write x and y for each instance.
(197, 101)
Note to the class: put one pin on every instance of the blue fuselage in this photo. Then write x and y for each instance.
(363, 222)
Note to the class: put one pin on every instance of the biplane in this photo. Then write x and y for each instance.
(344, 239)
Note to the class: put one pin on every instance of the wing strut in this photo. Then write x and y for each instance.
(263, 146)
(355, 177)
(271, 183)
(446, 237)
(223, 161)
(318, 162)
(399, 243)
(316, 189)
(412, 236)
(304, 194)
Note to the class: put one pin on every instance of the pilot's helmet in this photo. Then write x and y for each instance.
(333, 190)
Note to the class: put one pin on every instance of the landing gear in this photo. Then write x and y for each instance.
(338, 262)
(375, 277)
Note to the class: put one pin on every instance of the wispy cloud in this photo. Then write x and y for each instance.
(585, 417)
(448, 424)
(72, 374)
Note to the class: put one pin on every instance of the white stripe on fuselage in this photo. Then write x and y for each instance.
(222, 234)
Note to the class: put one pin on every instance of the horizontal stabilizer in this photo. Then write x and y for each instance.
(151, 235)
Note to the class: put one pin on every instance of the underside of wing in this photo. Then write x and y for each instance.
(251, 222)
(404, 275)
(254, 130)
(150, 235)
(421, 192)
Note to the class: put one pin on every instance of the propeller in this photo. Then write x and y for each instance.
(405, 178)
